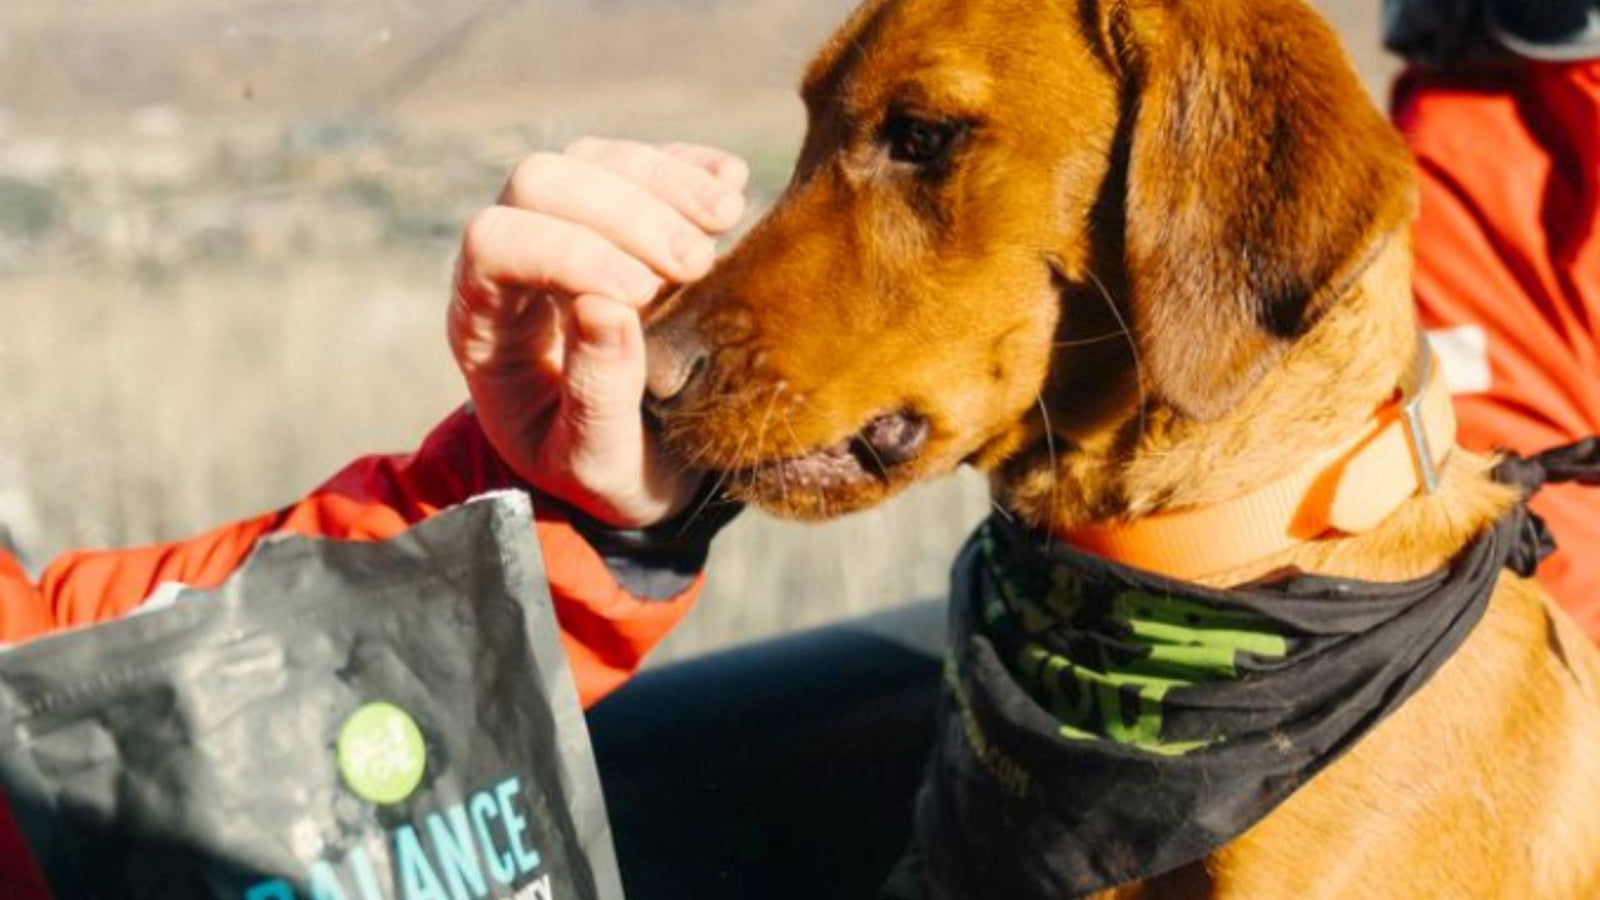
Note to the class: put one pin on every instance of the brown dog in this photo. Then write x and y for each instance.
(1131, 256)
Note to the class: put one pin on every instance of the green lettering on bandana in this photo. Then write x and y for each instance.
(381, 753)
(1100, 693)
(1194, 636)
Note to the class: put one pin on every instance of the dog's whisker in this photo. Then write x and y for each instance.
(783, 477)
(1004, 513)
(761, 429)
(694, 459)
(761, 436)
(794, 439)
(1133, 348)
(1050, 447)
(716, 491)
(722, 480)
(882, 469)
(739, 454)
(692, 415)
(1097, 339)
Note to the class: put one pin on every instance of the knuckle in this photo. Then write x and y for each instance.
(734, 166)
(632, 277)
(661, 170)
(626, 206)
(587, 256)
(586, 147)
(687, 181)
(607, 153)
(630, 157)
(481, 232)
(532, 175)
(607, 315)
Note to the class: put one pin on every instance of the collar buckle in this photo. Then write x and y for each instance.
(1413, 391)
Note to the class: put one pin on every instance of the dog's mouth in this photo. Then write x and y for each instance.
(868, 459)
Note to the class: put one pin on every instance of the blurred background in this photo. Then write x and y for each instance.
(226, 230)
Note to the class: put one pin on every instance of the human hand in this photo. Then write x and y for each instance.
(544, 321)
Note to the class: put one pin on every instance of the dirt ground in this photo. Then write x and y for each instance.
(226, 229)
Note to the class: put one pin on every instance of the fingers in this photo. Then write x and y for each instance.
(539, 252)
(629, 215)
(696, 181)
(614, 218)
(726, 167)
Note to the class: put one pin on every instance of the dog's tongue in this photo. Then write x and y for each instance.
(895, 439)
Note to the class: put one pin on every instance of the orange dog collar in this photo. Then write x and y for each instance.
(1349, 489)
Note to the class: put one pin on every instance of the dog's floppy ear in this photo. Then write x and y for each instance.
(1259, 179)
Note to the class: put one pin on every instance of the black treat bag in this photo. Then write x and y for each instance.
(340, 721)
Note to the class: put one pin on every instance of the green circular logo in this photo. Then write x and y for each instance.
(381, 753)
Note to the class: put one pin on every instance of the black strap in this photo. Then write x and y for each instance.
(1577, 463)
(1573, 464)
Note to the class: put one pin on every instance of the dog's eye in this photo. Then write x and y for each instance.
(920, 142)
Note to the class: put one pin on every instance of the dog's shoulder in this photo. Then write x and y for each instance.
(1483, 785)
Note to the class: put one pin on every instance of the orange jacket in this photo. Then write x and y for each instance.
(1508, 271)
(605, 629)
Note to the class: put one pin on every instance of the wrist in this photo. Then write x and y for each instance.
(659, 561)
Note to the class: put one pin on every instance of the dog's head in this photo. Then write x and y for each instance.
(1016, 221)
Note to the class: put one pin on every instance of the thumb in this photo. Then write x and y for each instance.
(604, 376)
(602, 441)
(601, 432)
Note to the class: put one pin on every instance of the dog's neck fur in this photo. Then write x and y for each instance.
(1325, 389)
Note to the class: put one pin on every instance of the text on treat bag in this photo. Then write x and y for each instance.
(458, 853)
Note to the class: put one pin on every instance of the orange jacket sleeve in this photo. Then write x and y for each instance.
(1508, 255)
(606, 630)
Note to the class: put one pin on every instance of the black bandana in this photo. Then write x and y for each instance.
(1103, 725)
